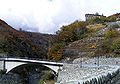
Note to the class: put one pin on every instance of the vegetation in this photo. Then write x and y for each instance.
(72, 32)
(98, 20)
(56, 51)
(16, 43)
(2, 72)
(96, 31)
(65, 35)
(95, 27)
(110, 43)
(111, 34)
(34, 45)
(47, 78)
(116, 46)
(41, 81)
(81, 30)
(115, 26)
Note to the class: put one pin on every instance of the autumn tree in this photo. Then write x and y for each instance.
(56, 51)
(65, 35)
(72, 32)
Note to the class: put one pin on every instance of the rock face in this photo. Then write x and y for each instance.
(23, 44)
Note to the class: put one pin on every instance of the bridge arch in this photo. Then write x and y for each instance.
(29, 67)
(10, 65)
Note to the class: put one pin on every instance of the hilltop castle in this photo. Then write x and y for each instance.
(91, 16)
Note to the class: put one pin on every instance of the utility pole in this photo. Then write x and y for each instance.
(98, 60)
(80, 61)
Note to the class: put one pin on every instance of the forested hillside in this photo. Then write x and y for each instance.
(14, 43)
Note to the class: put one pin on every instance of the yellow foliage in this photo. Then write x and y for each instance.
(93, 45)
(57, 55)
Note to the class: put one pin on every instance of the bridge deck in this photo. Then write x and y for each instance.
(32, 61)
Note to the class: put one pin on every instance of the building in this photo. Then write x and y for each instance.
(117, 15)
(91, 16)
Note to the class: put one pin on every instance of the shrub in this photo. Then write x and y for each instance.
(2, 71)
(111, 33)
(48, 76)
(41, 82)
(116, 46)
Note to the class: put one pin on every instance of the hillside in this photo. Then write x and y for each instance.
(98, 43)
(96, 37)
(78, 39)
(23, 44)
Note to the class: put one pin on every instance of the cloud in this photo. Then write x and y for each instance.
(47, 16)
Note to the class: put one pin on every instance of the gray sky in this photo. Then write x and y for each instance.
(47, 16)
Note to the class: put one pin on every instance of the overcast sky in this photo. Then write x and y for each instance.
(47, 16)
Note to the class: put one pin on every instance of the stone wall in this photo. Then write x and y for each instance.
(75, 74)
(109, 79)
